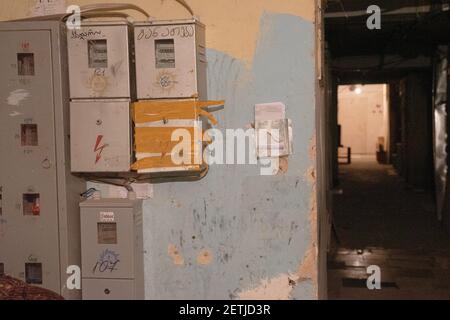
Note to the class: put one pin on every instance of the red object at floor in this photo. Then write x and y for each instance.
(13, 289)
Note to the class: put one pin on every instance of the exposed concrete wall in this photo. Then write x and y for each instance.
(237, 234)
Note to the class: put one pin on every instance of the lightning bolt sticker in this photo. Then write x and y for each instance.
(99, 147)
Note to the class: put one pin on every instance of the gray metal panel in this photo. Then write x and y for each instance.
(100, 136)
(202, 63)
(69, 186)
(107, 264)
(180, 81)
(41, 169)
(28, 169)
(98, 81)
(102, 203)
(97, 289)
(107, 261)
(139, 251)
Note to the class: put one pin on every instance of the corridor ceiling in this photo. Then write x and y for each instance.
(408, 28)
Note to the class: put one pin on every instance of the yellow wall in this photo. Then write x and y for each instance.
(233, 25)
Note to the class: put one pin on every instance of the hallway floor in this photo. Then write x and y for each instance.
(381, 221)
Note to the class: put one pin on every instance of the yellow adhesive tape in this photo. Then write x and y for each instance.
(159, 140)
(153, 111)
(161, 162)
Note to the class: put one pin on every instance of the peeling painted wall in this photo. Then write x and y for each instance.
(237, 234)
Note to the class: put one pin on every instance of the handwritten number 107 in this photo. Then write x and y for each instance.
(103, 266)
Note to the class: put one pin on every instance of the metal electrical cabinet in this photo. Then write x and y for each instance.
(101, 68)
(101, 136)
(170, 59)
(39, 220)
(112, 249)
(100, 63)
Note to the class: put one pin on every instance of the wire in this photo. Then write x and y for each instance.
(103, 10)
(184, 4)
(108, 14)
(113, 7)
(106, 10)
(125, 183)
(126, 6)
(343, 8)
(87, 194)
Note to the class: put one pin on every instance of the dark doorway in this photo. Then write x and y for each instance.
(390, 203)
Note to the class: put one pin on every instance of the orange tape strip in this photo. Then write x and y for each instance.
(153, 111)
(158, 140)
(159, 162)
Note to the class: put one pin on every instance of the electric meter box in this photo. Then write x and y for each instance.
(170, 59)
(100, 60)
(112, 251)
(101, 134)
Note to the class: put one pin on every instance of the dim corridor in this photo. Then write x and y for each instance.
(380, 220)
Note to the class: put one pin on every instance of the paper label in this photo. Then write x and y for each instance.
(48, 7)
(274, 138)
(270, 111)
(107, 217)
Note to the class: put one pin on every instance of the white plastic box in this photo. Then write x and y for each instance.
(100, 63)
(170, 59)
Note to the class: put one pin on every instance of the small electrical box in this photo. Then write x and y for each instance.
(170, 59)
(100, 63)
(112, 251)
(100, 136)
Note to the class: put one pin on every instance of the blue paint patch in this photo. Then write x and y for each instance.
(256, 227)
(304, 290)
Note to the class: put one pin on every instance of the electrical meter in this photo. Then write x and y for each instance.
(170, 59)
(100, 63)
